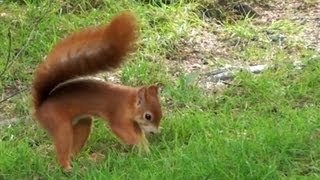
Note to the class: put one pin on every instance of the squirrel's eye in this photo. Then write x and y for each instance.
(148, 116)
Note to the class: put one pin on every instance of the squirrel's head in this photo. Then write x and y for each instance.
(149, 111)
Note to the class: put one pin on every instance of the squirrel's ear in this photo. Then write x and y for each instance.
(141, 96)
(156, 89)
(153, 90)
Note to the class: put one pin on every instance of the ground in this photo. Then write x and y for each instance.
(251, 126)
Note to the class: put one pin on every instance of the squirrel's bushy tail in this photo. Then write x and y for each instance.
(85, 53)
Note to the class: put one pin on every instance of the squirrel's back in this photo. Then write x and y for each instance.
(85, 53)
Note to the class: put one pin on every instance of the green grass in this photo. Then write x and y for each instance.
(261, 127)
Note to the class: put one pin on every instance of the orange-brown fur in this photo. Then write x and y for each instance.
(64, 105)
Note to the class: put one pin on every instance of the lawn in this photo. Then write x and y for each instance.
(256, 126)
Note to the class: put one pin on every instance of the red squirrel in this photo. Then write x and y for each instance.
(64, 104)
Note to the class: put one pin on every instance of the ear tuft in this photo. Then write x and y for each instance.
(153, 90)
(141, 96)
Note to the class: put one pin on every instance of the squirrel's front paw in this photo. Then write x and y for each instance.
(144, 144)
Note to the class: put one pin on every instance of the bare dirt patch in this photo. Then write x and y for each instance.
(210, 48)
(307, 15)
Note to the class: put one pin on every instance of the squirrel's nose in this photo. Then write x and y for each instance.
(155, 131)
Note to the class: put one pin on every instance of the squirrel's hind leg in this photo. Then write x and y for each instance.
(63, 140)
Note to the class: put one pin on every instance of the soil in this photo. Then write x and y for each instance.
(208, 49)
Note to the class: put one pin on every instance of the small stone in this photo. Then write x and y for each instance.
(196, 66)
